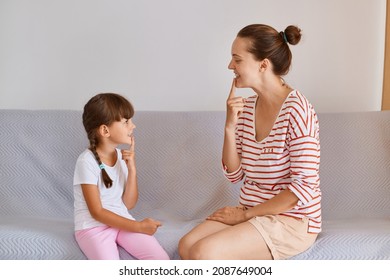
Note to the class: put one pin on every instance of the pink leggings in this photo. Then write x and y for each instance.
(101, 243)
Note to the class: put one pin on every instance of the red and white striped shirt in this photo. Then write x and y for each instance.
(288, 158)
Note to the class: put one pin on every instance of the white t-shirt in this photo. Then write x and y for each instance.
(87, 171)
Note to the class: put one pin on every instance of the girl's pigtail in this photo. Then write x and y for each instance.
(106, 179)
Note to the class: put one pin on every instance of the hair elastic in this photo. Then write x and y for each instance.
(101, 166)
(283, 36)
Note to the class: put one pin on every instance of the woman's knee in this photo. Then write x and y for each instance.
(187, 247)
(204, 250)
(184, 247)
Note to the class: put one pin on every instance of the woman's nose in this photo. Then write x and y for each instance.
(230, 66)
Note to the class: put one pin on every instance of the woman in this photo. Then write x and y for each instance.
(271, 143)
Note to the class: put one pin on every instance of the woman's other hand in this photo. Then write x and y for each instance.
(229, 215)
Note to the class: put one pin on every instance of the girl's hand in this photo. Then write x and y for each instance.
(129, 155)
(229, 215)
(235, 105)
(149, 226)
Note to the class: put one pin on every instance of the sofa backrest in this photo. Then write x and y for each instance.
(38, 150)
(355, 164)
(179, 164)
(178, 156)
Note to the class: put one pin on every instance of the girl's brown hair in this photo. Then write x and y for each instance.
(267, 42)
(104, 109)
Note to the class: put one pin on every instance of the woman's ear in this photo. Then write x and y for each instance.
(264, 65)
(104, 131)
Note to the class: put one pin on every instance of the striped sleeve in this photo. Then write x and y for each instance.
(238, 174)
(304, 147)
(235, 176)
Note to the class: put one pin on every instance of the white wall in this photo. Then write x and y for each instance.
(172, 55)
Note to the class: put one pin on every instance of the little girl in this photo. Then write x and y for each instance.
(105, 186)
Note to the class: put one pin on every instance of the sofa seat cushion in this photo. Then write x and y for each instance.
(351, 239)
(25, 238)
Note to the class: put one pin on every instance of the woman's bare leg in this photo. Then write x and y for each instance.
(213, 240)
(197, 233)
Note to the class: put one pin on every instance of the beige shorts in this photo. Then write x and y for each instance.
(284, 236)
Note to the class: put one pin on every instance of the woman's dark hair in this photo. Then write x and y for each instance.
(104, 109)
(267, 42)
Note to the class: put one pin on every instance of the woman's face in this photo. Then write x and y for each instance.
(243, 64)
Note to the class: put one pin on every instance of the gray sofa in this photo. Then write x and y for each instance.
(181, 182)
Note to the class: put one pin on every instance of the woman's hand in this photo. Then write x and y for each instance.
(235, 105)
(229, 215)
(149, 226)
(129, 155)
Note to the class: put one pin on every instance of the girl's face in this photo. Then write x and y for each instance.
(121, 132)
(243, 64)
